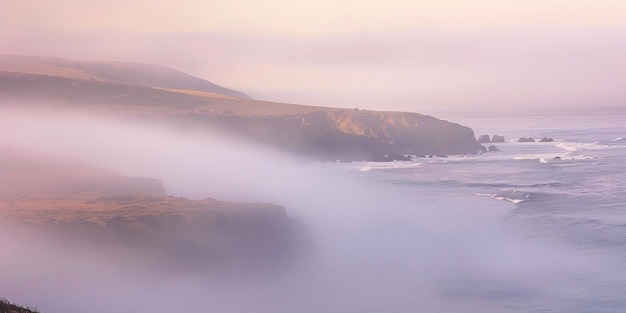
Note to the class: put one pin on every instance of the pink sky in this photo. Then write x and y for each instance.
(392, 55)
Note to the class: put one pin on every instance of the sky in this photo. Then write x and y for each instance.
(419, 55)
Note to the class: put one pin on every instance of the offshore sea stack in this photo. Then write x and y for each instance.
(486, 139)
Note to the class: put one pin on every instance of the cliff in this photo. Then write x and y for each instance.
(314, 132)
(92, 207)
(176, 231)
(341, 134)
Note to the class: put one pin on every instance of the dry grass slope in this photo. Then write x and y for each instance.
(146, 75)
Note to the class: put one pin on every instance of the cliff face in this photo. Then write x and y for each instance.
(314, 132)
(176, 231)
(397, 132)
(91, 207)
(336, 134)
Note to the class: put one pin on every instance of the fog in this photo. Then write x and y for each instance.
(426, 71)
(375, 249)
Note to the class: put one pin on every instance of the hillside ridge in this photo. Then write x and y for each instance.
(315, 132)
(139, 74)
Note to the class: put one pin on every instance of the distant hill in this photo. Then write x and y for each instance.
(137, 74)
(157, 93)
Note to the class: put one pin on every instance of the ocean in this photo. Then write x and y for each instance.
(534, 227)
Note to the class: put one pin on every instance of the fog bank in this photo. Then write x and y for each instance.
(376, 248)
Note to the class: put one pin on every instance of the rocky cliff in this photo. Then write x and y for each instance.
(173, 230)
(99, 208)
(339, 134)
(314, 132)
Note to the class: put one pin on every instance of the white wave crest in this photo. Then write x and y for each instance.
(567, 147)
(496, 197)
(573, 146)
(516, 201)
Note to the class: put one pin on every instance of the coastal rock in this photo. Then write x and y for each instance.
(497, 138)
(546, 139)
(493, 149)
(484, 139)
(529, 139)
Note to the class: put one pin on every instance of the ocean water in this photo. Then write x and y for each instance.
(535, 227)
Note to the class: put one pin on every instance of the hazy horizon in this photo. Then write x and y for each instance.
(422, 56)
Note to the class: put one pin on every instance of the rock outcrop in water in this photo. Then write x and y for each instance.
(175, 98)
(530, 139)
(497, 138)
(484, 139)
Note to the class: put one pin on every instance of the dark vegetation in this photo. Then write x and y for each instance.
(8, 307)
